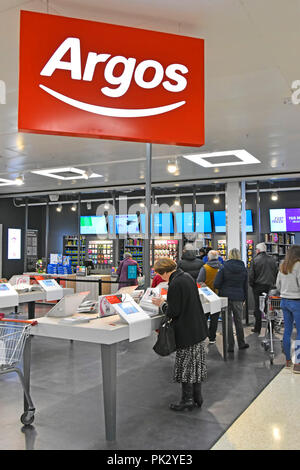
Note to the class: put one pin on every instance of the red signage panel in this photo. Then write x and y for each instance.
(90, 79)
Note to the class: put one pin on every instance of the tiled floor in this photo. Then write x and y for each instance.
(67, 392)
(271, 422)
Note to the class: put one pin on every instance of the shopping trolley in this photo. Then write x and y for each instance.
(271, 310)
(13, 336)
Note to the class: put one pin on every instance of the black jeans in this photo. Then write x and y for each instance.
(213, 325)
(258, 289)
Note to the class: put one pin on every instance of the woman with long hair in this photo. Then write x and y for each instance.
(288, 283)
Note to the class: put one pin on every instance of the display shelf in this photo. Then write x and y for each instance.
(70, 244)
(279, 243)
(250, 252)
(101, 252)
(164, 248)
(135, 246)
(222, 248)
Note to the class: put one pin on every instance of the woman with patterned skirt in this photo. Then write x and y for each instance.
(183, 306)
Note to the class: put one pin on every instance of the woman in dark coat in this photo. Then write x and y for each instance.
(184, 307)
(189, 263)
(232, 282)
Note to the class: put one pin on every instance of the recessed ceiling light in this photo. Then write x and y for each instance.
(5, 182)
(172, 167)
(242, 157)
(68, 173)
(19, 180)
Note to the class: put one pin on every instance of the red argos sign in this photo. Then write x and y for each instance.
(89, 79)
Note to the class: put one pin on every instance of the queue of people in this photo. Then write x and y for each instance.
(229, 280)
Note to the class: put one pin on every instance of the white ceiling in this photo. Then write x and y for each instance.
(251, 61)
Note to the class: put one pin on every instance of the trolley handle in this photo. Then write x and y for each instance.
(29, 322)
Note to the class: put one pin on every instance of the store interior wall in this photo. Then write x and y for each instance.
(65, 222)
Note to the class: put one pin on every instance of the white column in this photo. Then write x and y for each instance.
(233, 212)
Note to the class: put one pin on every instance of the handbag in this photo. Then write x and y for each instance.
(165, 343)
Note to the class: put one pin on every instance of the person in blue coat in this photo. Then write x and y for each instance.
(232, 282)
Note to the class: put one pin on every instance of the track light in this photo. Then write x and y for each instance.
(106, 206)
(216, 199)
(274, 196)
(59, 208)
(74, 207)
(89, 206)
(19, 180)
(177, 202)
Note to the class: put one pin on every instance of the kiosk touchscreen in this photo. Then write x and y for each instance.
(208, 296)
(53, 290)
(139, 322)
(8, 296)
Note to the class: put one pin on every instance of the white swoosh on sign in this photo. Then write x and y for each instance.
(112, 112)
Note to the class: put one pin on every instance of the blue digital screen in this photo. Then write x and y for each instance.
(184, 222)
(163, 223)
(132, 271)
(127, 223)
(93, 225)
(203, 222)
(220, 221)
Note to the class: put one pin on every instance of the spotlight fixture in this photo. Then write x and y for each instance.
(142, 204)
(74, 207)
(274, 196)
(89, 206)
(19, 180)
(106, 206)
(216, 199)
(177, 202)
(59, 208)
(172, 166)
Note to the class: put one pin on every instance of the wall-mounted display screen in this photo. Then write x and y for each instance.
(127, 223)
(185, 222)
(220, 221)
(203, 222)
(285, 220)
(14, 243)
(93, 225)
(163, 223)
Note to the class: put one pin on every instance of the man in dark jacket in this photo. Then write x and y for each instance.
(262, 277)
(189, 263)
(232, 282)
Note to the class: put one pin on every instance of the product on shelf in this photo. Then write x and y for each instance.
(249, 252)
(222, 248)
(71, 249)
(101, 252)
(165, 248)
(279, 243)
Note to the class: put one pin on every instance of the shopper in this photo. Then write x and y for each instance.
(207, 274)
(189, 263)
(288, 283)
(123, 272)
(262, 277)
(184, 307)
(202, 253)
(232, 282)
(156, 280)
(205, 258)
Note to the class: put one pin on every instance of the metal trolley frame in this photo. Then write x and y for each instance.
(270, 308)
(13, 337)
